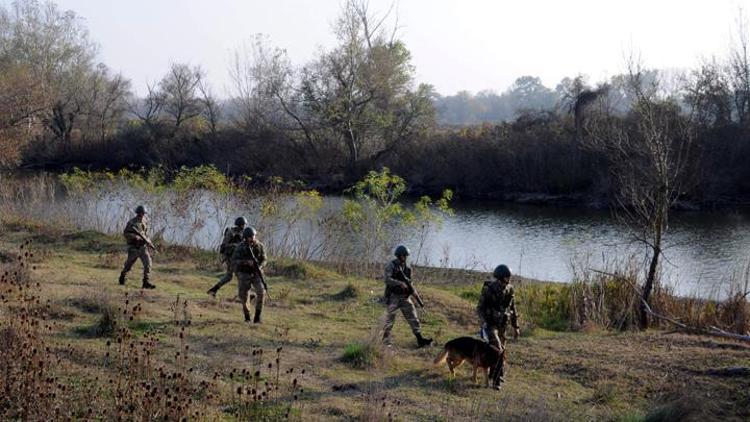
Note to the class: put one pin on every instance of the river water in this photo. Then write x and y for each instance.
(705, 249)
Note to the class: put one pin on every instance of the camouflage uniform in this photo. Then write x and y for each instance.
(232, 238)
(496, 307)
(248, 275)
(137, 248)
(396, 297)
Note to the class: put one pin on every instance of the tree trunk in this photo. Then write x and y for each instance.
(648, 287)
(652, 268)
(353, 152)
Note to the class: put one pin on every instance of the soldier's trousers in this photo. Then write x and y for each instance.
(246, 282)
(496, 337)
(226, 278)
(135, 253)
(404, 303)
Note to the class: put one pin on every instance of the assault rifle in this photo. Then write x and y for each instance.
(258, 269)
(145, 239)
(412, 290)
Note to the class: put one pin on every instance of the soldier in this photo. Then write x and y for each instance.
(497, 306)
(247, 260)
(136, 236)
(398, 296)
(232, 238)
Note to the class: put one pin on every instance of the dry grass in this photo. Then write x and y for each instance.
(181, 340)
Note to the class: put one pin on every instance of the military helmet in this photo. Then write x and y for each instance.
(240, 221)
(501, 272)
(140, 209)
(249, 232)
(401, 250)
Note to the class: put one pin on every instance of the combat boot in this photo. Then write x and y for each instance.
(387, 340)
(122, 279)
(147, 285)
(497, 374)
(212, 292)
(422, 341)
(247, 316)
(257, 320)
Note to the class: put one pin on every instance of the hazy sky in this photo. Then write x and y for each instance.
(456, 45)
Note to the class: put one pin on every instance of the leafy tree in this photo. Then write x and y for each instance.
(528, 93)
(66, 91)
(361, 91)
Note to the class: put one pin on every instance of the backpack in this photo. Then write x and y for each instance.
(227, 246)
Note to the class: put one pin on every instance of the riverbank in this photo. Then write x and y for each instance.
(705, 250)
(338, 184)
(314, 314)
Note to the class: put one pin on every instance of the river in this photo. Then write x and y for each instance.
(705, 250)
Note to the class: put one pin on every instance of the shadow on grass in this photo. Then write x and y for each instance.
(106, 326)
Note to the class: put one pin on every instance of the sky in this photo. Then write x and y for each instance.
(456, 45)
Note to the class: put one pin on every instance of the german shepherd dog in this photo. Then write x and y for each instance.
(478, 353)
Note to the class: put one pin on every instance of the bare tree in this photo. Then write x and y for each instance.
(266, 95)
(648, 152)
(149, 108)
(180, 93)
(739, 70)
(69, 107)
(111, 104)
(707, 93)
(253, 69)
(211, 108)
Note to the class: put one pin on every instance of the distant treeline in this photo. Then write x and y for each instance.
(526, 94)
(353, 108)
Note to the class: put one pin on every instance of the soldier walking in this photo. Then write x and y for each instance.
(136, 236)
(247, 260)
(496, 308)
(232, 238)
(398, 296)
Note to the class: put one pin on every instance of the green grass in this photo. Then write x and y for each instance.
(360, 355)
(325, 322)
(543, 305)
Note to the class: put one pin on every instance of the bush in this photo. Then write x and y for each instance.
(31, 389)
(289, 269)
(266, 396)
(109, 316)
(544, 306)
(361, 355)
(471, 295)
(683, 409)
(349, 292)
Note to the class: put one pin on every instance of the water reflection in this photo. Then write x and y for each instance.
(542, 242)
(538, 242)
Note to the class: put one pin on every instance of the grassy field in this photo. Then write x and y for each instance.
(314, 315)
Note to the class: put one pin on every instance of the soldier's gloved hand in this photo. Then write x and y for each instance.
(516, 333)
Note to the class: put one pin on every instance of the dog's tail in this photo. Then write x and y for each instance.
(441, 357)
